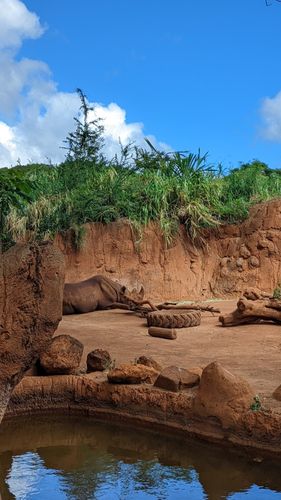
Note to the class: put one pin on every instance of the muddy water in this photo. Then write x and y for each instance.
(77, 458)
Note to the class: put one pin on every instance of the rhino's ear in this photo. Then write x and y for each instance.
(141, 292)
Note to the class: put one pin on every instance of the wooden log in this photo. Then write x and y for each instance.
(189, 307)
(163, 333)
(249, 311)
(255, 294)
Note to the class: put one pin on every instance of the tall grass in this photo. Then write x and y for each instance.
(167, 188)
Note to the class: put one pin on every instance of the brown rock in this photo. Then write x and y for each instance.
(31, 285)
(148, 361)
(132, 374)
(63, 356)
(277, 393)
(174, 379)
(222, 395)
(98, 360)
(254, 261)
(196, 370)
(245, 252)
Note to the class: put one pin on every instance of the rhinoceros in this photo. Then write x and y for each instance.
(98, 292)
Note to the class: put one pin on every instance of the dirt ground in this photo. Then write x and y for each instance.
(251, 351)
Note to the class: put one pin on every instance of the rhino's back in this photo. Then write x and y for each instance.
(93, 293)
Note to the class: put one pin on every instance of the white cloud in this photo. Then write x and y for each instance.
(17, 78)
(42, 115)
(17, 23)
(271, 114)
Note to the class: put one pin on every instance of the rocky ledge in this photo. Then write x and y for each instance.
(222, 408)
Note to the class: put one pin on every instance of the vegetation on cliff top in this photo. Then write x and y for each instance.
(141, 185)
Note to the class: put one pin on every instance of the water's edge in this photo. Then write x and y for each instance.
(143, 406)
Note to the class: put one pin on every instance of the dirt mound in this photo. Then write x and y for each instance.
(233, 258)
(222, 395)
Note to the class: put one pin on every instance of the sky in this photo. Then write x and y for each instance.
(187, 74)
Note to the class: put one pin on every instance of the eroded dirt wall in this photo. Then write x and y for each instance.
(233, 257)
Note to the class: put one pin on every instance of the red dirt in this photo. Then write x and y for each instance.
(233, 258)
(251, 351)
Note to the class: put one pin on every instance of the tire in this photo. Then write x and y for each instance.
(174, 319)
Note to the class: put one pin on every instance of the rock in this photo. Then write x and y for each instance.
(63, 356)
(175, 379)
(222, 395)
(148, 361)
(254, 261)
(31, 288)
(196, 370)
(245, 252)
(277, 393)
(98, 360)
(132, 374)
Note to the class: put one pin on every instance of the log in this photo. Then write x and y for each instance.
(163, 333)
(255, 294)
(193, 307)
(249, 311)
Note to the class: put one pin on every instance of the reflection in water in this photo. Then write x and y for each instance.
(80, 459)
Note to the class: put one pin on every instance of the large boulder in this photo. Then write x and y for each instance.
(222, 395)
(31, 291)
(62, 357)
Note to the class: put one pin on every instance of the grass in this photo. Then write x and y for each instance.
(39, 201)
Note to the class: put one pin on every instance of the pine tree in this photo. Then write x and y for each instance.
(86, 142)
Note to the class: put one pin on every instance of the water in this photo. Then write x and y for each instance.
(80, 459)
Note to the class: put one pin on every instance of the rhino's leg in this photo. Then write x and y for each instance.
(67, 309)
(119, 305)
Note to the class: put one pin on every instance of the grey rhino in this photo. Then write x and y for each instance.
(98, 292)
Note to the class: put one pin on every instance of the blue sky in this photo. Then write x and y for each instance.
(197, 74)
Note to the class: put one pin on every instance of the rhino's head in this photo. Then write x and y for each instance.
(131, 297)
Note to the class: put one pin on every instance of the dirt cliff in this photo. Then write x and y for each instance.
(31, 288)
(232, 258)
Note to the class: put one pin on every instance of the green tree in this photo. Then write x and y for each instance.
(86, 142)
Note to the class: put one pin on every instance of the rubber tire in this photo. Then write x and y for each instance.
(174, 319)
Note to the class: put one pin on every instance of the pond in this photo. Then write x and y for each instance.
(79, 458)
